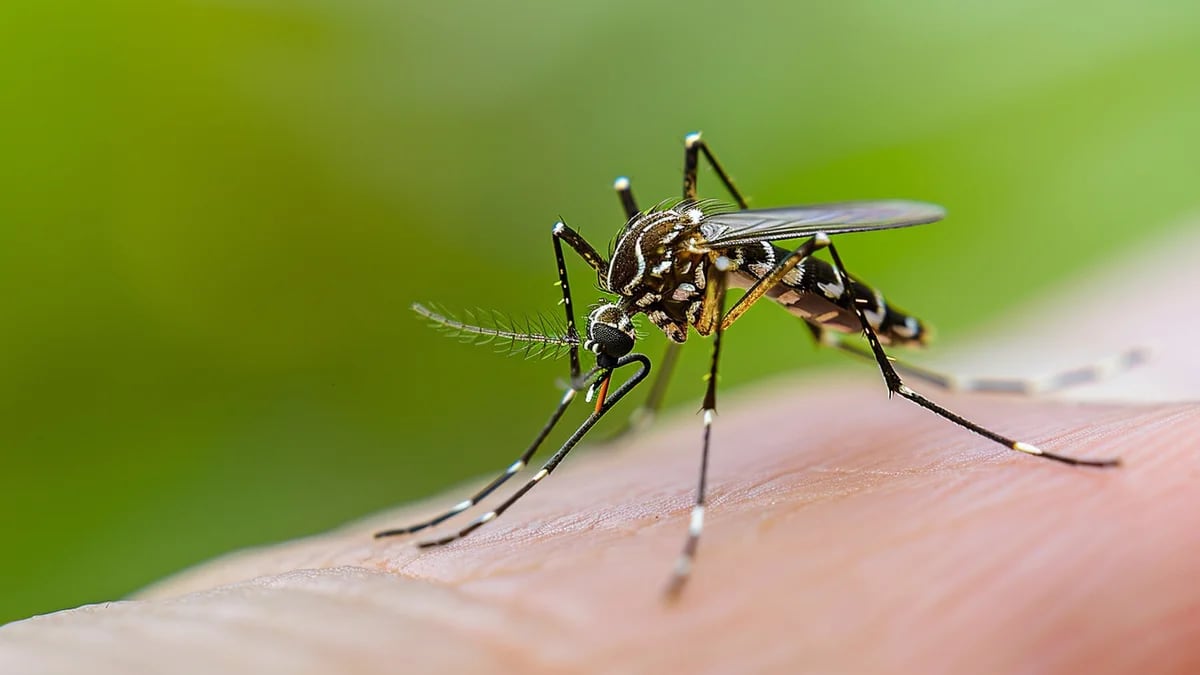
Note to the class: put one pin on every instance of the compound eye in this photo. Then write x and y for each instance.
(611, 340)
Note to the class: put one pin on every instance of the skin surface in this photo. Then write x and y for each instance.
(845, 533)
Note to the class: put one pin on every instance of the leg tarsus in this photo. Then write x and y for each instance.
(896, 385)
(562, 452)
(1054, 382)
(496, 482)
(683, 566)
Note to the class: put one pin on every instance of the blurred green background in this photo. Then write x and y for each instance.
(214, 215)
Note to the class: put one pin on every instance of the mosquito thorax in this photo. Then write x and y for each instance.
(660, 264)
(610, 333)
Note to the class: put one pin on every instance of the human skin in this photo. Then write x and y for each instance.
(846, 532)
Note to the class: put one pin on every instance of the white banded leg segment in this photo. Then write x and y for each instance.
(683, 565)
(687, 556)
(465, 504)
(683, 569)
(697, 521)
(896, 385)
(512, 470)
(483, 519)
(643, 369)
(1098, 371)
(1027, 448)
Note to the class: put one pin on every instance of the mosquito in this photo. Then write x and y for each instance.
(675, 263)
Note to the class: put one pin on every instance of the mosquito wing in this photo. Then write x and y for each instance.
(740, 228)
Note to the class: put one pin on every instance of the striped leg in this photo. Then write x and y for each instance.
(497, 481)
(643, 370)
(715, 318)
(560, 233)
(896, 385)
(683, 567)
(1086, 374)
(693, 146)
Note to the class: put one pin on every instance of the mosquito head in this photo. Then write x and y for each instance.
(610, 333)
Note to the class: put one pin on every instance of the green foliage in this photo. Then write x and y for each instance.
(215, 216)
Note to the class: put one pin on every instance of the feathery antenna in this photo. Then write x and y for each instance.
(533, 337)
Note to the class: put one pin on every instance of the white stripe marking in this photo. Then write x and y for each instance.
(540, 475)
(833, 291)
(490, 515)
(516, 466)
(708, 417)
(627, 289)
(1025, 447)
(463, 505)
(683, 566)
(697, 520)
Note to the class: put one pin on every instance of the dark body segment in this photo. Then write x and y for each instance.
(660, 266)
(814, 292)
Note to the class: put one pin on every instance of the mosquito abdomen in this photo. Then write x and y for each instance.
(814, 292)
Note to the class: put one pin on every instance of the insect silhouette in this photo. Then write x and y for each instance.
(675, 263)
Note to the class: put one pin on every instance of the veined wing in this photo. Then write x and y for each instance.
(739, 228)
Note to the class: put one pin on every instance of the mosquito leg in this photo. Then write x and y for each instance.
(1086, 374)
(625, 194)
(585, 250)
(896, 386)
(497, 481)
(560, 232)
(683, 566)
(827, 338)
(693, 145)
(553, 462)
